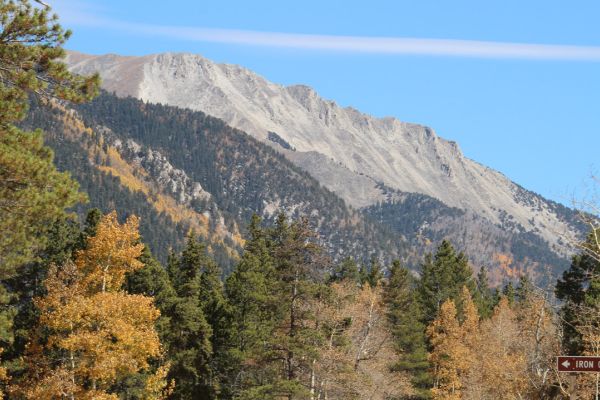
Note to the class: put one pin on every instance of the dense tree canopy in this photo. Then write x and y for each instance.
(32, 193)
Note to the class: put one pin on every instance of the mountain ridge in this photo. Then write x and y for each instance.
(343, 148)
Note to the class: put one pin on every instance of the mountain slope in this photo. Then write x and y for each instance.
(373, 164)
(403, 156)
(185, 170)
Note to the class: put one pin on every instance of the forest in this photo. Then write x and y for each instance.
(88, 312)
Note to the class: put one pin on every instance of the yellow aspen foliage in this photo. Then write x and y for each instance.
(92, 334)
(502, 359)
(111, 253)
(449, 354)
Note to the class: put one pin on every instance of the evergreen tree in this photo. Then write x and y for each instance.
(92, 219)
(251, 294)
(442, 278)
(375, 273)
(299, 269)
(509, 292)
(30, 62)
(347, 269)
(483, 297)
(524, 289)
(289, 270)
(62, 243)
(189, 345)
(153, 280)
(579, 289)
(217, 313)
(404, 316)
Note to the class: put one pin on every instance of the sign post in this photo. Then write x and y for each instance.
(580, 364)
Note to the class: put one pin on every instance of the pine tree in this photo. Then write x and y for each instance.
(189, 345)
(152, 280)
(92, 219)
(30, 62)
(346, 269)
(250, 292)
(290, 276)
(579, 289)
(524, 289)
(509, 292)
(404, 316)
(442, 278)
(375, 273)
(218, 315)
(483, 296)
(299, 269)
(62, 243)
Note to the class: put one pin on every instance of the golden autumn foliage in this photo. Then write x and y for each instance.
(110, 254)
(501, 362)
(449, 357)
(97, 334)
(513, 351)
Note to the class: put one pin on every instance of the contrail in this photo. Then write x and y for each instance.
(346, 44)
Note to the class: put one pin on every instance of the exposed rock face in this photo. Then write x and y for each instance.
(349, 152)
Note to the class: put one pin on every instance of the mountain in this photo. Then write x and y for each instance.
(179, 170)
(381, 166)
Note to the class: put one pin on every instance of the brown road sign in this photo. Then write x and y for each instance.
(578, 364)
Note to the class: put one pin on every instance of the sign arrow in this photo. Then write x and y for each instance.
(578, 363)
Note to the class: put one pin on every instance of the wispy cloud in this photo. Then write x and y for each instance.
(349, 44)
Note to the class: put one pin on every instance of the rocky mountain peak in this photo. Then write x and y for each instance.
(402, 156)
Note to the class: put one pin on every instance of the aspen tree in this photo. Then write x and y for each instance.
(91, 333)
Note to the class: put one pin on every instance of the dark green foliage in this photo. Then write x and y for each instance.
(33, 194)
(153, 280)
(92, 219)
(274, 337)
(404, 318)
(483, 297)
(375, 274)
(31, 56)
(300, 270)
(29, 183)
(347, 269)
(579, 289)
(63, 240)
(524, 289)
(407, 215)
(218, 315)
(189, 346)
(509, 292)
(442, 278)
(251, 293)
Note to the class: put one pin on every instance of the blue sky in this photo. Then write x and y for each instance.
(515, 83)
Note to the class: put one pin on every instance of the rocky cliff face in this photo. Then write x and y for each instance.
(351, 153)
